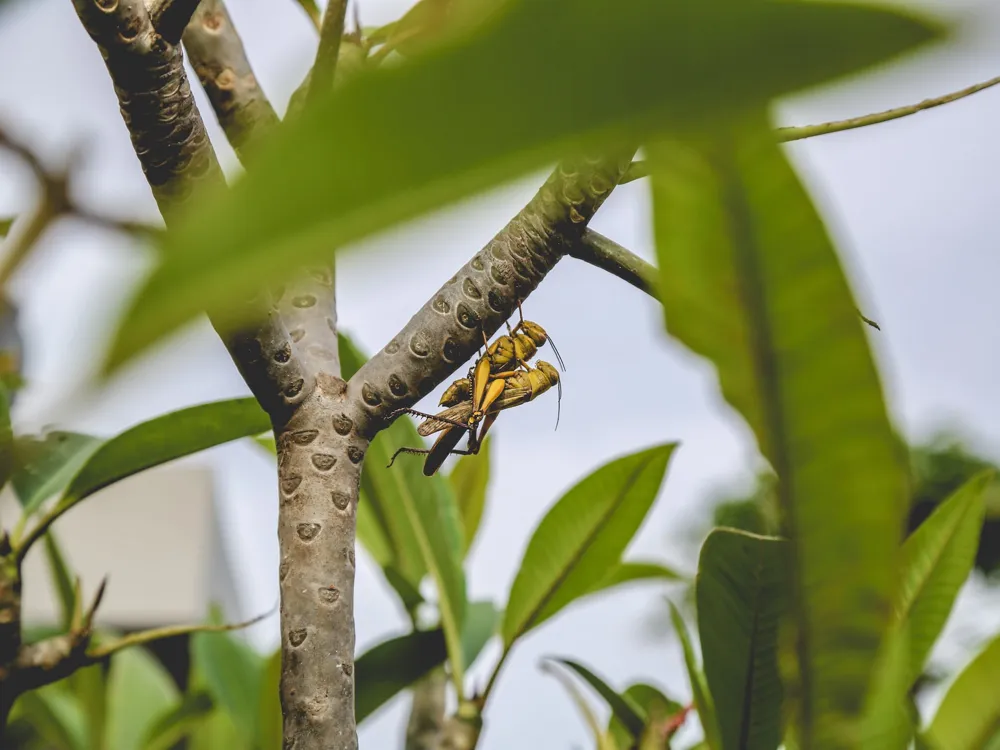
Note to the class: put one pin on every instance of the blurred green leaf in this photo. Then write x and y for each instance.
(651, 701)
(266, 441)
(602, 740)
(581, 537)
(139, 692)
(887, 724)
(699, 687)
(47, 464)
(62, 580)
(269, 719)
(750, 279)
(469, 480)
(969, 716)
(624, 708)
(217, 731)
(742, 594)
(233, 672)
(937, 558)
(392, 666)
(179, 722)
(5, 222)
(164, 439)
(6, 438)
(89, 687)
(481, 620)
(346, 169)
(56, 716)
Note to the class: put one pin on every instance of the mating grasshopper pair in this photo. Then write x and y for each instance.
(500, 379)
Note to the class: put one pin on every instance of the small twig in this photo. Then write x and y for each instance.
(171, 17)
(604, 253)
(330, 35)
(312, 10)
(156, 634)
(639, 169)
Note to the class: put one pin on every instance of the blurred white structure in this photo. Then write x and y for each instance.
(154, 535)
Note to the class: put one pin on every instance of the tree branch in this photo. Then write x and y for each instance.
(169, 138)
(449, 328)
(597, 250)
(327, 54)
(640, 169)
(423, 730)
(169, 17)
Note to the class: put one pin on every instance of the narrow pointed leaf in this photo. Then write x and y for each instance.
(969, 716)
(56, 716)
(392, 666)
(741, 592)
(139, 691)
(469, 480)
(583, 535)
(937, 559)
(7, 463)
(703, 702)
(348, 167)
(624, 708)
(751, 280)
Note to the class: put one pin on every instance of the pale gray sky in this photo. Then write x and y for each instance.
(914, 204)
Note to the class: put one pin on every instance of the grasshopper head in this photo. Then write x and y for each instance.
(535, 332)
(548, 370)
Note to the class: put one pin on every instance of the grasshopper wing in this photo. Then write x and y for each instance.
(458, 413)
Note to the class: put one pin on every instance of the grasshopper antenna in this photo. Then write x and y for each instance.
(559, 359)
(558, 400)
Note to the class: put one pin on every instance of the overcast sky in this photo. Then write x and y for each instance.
(914, 204)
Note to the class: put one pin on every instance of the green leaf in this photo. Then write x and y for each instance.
(937, 559)
(269, 719)
(163, 439)
(750, 279)
(5, 225)
(139, 692)
(887, 724)
(651, 701)
(347, 168)
(583, 535)
(624, 708)
(469, 480)
(394, 665)
(481, 620)
(179, 722)
(266, 441)
(62, 580)
(233, 672)
(46, 465)
(969, 716)
(56, 716)
(741, 592)
(699, 687)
